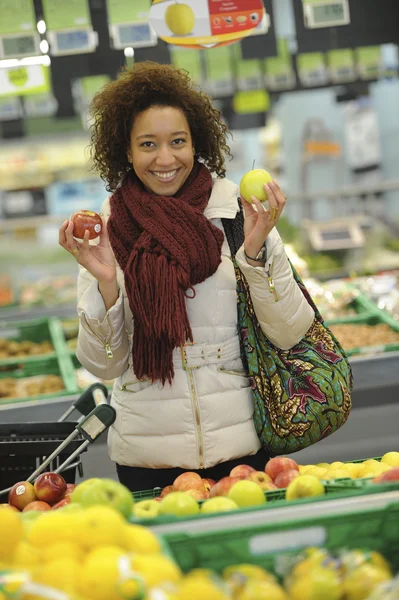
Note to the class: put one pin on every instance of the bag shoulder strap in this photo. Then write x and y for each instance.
(234, 230)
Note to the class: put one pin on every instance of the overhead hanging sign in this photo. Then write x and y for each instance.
(129, 24)
(24, 79)
(18, 34)
(325, 13)
(341, 66)
(69, 28)
(205, 23)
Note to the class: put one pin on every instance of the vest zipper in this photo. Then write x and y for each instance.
(272, 287)
(194, 397)
(105, 343)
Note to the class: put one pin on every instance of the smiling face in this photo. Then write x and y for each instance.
(161, 149)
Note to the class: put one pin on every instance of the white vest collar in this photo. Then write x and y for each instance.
(223, 201)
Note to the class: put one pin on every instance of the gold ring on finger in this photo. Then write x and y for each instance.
(274, 213)
(75, 250)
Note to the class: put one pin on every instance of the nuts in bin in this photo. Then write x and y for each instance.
(11, 348)
(353, 335)
(30, 386)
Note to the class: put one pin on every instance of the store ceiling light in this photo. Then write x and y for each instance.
(44, 47)
(41, 26)
(129, 51)
(29, 60)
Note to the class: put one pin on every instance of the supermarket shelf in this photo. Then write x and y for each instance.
(276, 515)
(17, 313)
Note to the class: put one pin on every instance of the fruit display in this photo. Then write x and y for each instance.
(93, 553)
(361, 335)
(19, 349)
(30, 386)
(86, 220)
(49, 291)
(335, 299)
(382, 289)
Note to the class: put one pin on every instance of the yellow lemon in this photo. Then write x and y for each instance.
(371, 469)
(318, 472)
(254, 590)
(353, 559)
(391, 459)
(156, 569)
(336, 474)
(61, 574)
(26, 556)
(106, 551)
(180, 19)
(323, 465)
(336, 464)
(353, 469)
(55, 526)
(63, 549)
(249, 571)
(102, 525)
(141, 540)
(199, 588)
(100, 577)
(320, 583)
(11, 532)
(359, 583)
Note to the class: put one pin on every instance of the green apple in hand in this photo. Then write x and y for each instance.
(252, 184)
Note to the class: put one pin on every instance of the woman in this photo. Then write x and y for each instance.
(157, 296)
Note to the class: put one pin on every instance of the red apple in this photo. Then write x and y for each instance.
(242, 471)
(198, 494)
(208, 483)
(37, 505)
(86, 220)
(263, 480)
(69, 490)
(4, 505)
(188, 481)
(284, 478)
(166, 490)
(50, 487)
(222, 487)
(276, 465)
(391, 475)
(66, 500)
(21, 494)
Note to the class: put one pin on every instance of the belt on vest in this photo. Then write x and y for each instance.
(195, 356)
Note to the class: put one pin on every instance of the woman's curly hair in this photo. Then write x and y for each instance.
(147, 84)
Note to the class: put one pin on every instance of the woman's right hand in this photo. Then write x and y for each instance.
(98, 259)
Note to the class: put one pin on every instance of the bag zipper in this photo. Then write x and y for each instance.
(272, 287)
(105, 343)
(237, 373)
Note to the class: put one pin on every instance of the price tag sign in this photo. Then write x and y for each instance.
(219, 75)
(335, 235)
(10, 109)
(129, 24)
(40, 105)
(312, 69)
(341, 65)
(205, 23)
(18, 35)
(325, 13)
(23, 80)
(279, 72)
(189, 60)
(369, 62)
(69, 29)
(249, 74)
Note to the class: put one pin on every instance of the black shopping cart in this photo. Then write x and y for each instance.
(28, 449)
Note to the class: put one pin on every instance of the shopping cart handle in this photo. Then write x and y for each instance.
(96, 422)
(96, 394)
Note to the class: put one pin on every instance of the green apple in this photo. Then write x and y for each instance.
(180, 19)
(247, 493)
(107, 492)
(252, 184)
(81, 487)
(304, 486)
(178, 504)
(146, 509)
(218, 504)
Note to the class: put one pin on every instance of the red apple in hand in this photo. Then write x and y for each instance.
(50, 487)
(86, 220)
(21, 494)
(37, 505)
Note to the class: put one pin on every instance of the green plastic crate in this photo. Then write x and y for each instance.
(265, 543)
(55, 365)
(375, 318)
(38, 330)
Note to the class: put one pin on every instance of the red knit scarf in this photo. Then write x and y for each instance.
(165, 246)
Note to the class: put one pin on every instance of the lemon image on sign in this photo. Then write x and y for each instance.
(180, 19)
(18, 77)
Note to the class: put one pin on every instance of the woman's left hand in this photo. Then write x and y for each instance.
(259, 223)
